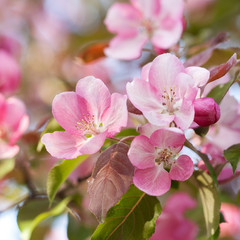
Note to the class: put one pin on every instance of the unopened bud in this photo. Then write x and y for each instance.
(207, 111)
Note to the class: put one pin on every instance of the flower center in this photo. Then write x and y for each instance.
(170, 101)
(163, 156)
(147, 26)
(88, 125)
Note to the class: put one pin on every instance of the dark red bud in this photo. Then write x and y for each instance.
(207, 111)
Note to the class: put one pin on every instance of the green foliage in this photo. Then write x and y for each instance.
(6, 166)
(132, 218)
(220, 91)
(59, 173)
(34, 212)
(210, 201)
(201, 131)
(77, 230)
(232, 154)
(127, 132)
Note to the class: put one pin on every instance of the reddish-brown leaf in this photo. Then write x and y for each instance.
(132, 109)
(111, 178)
(222, 69)
(92, 52)
(203, 56)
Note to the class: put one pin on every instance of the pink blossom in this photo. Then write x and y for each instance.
(13, 122)
(166, 91)
(230, 228)
(9, 73)
(158, 21)
(88, 116)
(207, 111)
(152, 156)
(172, 225)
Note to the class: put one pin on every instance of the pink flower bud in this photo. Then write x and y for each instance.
(207, 111)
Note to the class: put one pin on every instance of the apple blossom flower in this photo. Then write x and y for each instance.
(13, 122)
(172, 224)
(152, 156)
(166, 91)
(89, 116)
(9, 73)
(207, 111)
(158, 21)
(230, 228)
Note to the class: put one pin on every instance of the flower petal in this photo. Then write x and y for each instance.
(116, 116)
(68, 109)
(164, 71)
(141, 153)
(127, 48)
(68, 146)
(153, 181)
(122, 19)
(142, 95)
(174, 206)
(184, 117)
(166, 37)
(15, 118)
(172, 138)
(96, 93)
(8, 151)
(200, 75)
(182, 169)
(149, 9)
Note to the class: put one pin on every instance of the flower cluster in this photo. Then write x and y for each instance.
(13, 115)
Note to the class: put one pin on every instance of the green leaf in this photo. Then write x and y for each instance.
(52, 126)
(232, 154)
(34, 212)
(210, 201)
(132, 218)
(220, 91)
(77, 230)
(127, 132)
(201, 131)
(6, 166)
(59, 173)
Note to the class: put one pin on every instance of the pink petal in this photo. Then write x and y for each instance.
(123, 19)
(142, 153)
(185, 87)
(154, 181)
(9, 73)
(148, 129)
(126, 48)
(68, 146)
(170, 227)
(145, 71)
(184, 117)
(157, 118)
(149, 9)
(172, 138)
(200, 75)
(174, 206)
(172, 9)
(182, 169)
(165, 38)
(15, 120)
(116, 116)
(68, 109)
(142, 95)
(95, 92)
(8, 151)
(164, 71)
